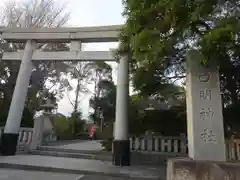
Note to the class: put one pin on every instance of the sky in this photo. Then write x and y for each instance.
(89, 13)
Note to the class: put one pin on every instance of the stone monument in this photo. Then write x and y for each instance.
(204, 111)
(206, 143)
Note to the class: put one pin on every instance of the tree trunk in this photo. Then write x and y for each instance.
(75, 109)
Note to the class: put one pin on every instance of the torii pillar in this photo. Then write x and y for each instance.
(121, 143)
(9, 139)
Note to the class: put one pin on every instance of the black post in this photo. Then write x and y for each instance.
(9, 144)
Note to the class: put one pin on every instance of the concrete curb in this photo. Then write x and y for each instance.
(63, 170)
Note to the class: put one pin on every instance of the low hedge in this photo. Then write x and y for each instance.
(107, 144)
(106, 136)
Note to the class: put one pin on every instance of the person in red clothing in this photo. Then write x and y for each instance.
(92, 130)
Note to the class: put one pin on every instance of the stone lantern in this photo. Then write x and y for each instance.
(43, 129)
(48, 107)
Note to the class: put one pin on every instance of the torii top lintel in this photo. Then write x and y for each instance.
(83, 34)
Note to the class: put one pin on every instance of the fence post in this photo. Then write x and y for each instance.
(156, 143)
(183, 143)
(37, 132)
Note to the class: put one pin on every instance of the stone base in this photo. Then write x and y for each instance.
(121, 152)
(187, 169)
(8, 145)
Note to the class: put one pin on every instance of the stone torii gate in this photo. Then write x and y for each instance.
(206, 143)
(74, 36)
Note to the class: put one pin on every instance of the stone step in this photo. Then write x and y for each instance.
(80, 166)
(70, 154)
(137, 158)
(67, 150)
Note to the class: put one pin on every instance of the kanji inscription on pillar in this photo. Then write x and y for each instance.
(204, 77)
(208, 136)
(206, 114)
(205, 94)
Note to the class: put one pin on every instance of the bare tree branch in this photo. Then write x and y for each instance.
(69, 99)
(34, 13)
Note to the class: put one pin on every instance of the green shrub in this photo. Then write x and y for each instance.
(107, 144)
(107, 132)
(62, 127)
(82, 135)
(106, 136)
(79, 126)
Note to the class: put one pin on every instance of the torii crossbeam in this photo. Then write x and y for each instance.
(63, 56)
(75, 36)
(43, 35)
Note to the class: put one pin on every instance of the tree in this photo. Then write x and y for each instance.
(105, 103)
(84, 74)
(62, 127)
(77, 123)
(141, 118)
(159, 34)
(103, 71)
(36, 13)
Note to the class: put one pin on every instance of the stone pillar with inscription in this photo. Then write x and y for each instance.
(204, 111)
(206, 143)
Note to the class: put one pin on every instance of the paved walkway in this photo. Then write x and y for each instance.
(79, 166)
(12, 174)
